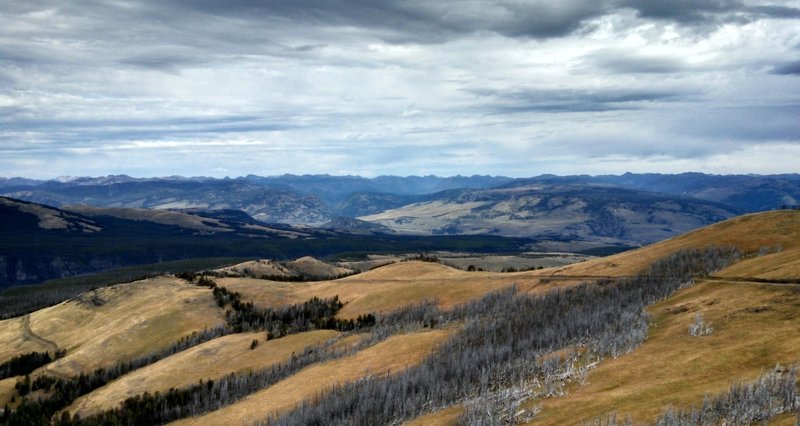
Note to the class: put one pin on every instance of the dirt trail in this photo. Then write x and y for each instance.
(29, 334)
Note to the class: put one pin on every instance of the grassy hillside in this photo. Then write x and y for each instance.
(386, 288)
(390, 356)
(304, 268)
(217, 358)
(750, 233)
(23, 299)
(115, 323)
(396, 285)
(755, 327)
(508, 337)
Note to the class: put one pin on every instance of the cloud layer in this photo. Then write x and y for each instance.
(510, 87)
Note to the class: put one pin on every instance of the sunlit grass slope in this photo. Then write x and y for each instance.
(749, 232)
(755, 327)
(211, 360)
(386, 288)
(392, 355)
(112, 324)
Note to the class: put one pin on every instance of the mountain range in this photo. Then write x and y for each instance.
(54, 228)
(40, 242)
(318, 199)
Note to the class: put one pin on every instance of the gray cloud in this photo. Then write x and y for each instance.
(416, 21)
(787, 68)
(564, 101)
(382, 86)
(773, 11)
(686, 11)
(621, 61)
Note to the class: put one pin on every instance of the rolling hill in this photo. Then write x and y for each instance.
(427, 317)
(304, 268)
(583, 213)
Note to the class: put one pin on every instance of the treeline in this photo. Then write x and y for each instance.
(313, 314)
(771, 394)
(22, 365)
(160, 408)
(503, 339)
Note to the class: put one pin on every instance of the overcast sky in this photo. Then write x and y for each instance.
(371, 87)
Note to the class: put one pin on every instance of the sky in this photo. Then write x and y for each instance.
(417, 87)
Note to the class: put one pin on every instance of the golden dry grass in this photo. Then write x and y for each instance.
(670, 368)
(310, 266)
(211, 360)
(257, 268)
(787, 419)
(391, 355)
(7, 390)
(446, 416)
(748, 232)
(13, 340)
(755, 327)
(774, 266)
(404, 283)
(135, 319)
(385, 289)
